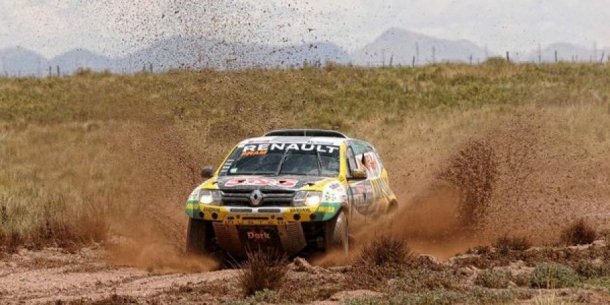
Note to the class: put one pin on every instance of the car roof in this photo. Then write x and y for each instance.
(294, 139)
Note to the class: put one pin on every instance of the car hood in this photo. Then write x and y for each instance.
(267, 182)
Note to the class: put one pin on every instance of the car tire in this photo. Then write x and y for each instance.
(197, 241)
(336, 233)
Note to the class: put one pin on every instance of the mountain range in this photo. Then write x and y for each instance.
(394, 47)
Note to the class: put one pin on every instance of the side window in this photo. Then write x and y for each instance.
(352, 164)
(367, 158)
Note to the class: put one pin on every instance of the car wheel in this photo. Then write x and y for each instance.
(337, 233)
(197, 237)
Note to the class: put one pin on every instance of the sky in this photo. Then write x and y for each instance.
(116, 27)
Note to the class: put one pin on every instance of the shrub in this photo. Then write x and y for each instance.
(553, 275)
(493, 279)
(522, 279)
(424, 279)
(263, 270)
(385, 251)
(589, 269)
(578, 233)
(506, 243)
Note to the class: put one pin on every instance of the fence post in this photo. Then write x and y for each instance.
(507, 56)
(556, 60)
(413, 62)
(58, 71)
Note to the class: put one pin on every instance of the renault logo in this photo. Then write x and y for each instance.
(256, 197)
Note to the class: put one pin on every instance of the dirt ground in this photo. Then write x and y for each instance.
(50, 275)
(54, 276)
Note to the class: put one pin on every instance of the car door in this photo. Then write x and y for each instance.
(380, 182)
(361, 189)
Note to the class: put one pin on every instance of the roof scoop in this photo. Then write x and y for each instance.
(306, 133)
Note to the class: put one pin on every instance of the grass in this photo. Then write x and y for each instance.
(493, 279)
(262, 271)
(85, 155)
(439, 297)
(552, 276)
(504, 244)
(384, 251)
(578, 233)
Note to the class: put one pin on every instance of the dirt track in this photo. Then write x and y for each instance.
(52, 274)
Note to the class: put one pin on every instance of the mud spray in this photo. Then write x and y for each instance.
(519, 178)
(148, 229)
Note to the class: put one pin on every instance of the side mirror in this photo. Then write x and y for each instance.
(207, 172)
(359, 174)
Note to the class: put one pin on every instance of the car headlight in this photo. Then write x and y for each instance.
(307, 198)
(210, 197)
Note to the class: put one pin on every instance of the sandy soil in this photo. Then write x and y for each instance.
(50, 275)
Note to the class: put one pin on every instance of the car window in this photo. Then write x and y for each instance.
(366, 158)
(284, 159)
(351, 160)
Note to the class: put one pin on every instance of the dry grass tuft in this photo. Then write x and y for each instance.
(263, 270)
(578, 233)
(504, 244)
(493, 279)
(384, 251)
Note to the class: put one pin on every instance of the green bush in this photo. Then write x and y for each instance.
(552, 275)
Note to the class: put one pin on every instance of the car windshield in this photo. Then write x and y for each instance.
(272, 159)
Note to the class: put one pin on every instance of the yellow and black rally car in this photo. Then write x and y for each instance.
(289, 189)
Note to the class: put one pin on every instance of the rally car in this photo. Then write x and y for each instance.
(289, 189)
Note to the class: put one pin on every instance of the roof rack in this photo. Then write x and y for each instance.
(306, 133)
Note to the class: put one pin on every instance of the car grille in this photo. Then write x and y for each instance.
(270, 197)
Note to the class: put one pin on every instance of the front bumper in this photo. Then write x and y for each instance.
(273, 216)
(238, 239)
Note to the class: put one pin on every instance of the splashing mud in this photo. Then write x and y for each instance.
(519, 178)
(149, 226)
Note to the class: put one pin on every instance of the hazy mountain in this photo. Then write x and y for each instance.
(401, 46)
(180, 52)
(73, 60)
(22, 62)
(396, 46)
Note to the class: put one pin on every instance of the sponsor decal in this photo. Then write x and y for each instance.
(254, 153)
(258, 235)
(299, 210)
(288, 183)
(326, 210)
(263, 148)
